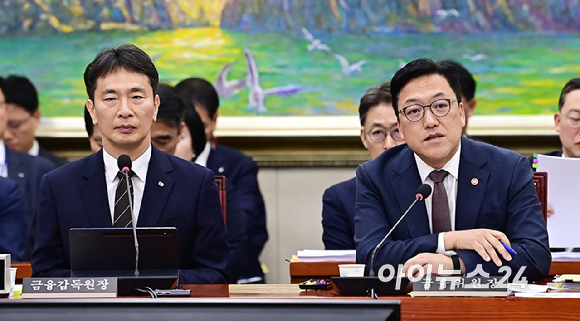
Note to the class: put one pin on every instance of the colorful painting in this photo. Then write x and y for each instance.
(298, 57)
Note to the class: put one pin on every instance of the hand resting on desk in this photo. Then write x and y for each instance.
(487, 243)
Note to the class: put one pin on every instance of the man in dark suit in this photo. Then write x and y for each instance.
(26, 171)
(23, 119)
(12, 224)
(378, 133)
(482, 195)
(240, 170)
(168, 191)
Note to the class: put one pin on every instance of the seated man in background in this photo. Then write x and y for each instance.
(93, 133)
(378, 133)
(27, 172)
(23, 119)
(168, 192)
(12, 224)
(240, 170)
(483, 195)
(166, 131)
(467, 83)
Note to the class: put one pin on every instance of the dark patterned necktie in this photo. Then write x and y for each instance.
(440, 209)
(122, 205)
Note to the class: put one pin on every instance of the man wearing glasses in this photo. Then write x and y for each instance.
(482, 195)
(378, 133)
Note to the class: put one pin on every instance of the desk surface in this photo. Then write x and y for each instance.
(434, 308)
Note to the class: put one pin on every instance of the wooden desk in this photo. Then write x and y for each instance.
(302, 271)
(435, 308)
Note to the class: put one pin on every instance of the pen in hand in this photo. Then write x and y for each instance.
(508, 248)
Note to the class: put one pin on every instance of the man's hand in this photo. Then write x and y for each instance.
(550, 210)
(487, 243)
(435, 260)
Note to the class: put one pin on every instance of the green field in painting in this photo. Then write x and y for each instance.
(522, 74)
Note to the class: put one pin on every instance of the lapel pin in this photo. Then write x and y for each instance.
(221, 169)
(160, 184)
(474, 181)
(21, 175)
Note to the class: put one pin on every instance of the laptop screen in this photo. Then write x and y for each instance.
(99, 249)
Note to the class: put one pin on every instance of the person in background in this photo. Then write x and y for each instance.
(241, 171)
(378, 133)
(93, 133)
(26, 171)
(23, 119)
(121, 84)
(166, 131)
(483, 196)
(468, 86)
(12, 224)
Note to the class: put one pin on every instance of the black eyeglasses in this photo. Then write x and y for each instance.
(439, 108)
(379, 134)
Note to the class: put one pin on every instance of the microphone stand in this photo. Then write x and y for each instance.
(133, 223)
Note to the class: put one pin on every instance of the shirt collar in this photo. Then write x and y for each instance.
(139, 166)
(3, 160)
(452, 166)
(204, 155)
(35, 149)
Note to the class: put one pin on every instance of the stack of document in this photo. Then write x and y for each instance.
(568, 282)
(327, 256)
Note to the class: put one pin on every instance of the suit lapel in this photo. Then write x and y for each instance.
(471, 185)
(158, 185)
(16, 169)
(94, 192)
(214, 160)
(404, 184)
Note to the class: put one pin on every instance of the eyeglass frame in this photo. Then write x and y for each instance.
(402, 110)
(390, 133)
(569, 120)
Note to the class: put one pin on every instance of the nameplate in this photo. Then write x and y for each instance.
(461, 286)
(41, 288)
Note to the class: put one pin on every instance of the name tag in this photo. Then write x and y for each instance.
(58, 287)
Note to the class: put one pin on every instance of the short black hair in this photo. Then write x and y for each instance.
(196, 129)
(127, 57)
(466, 79)
(88, 122)
(571, 85)
(419, 68)
(20, 91)
(374, 97)
(200, 93)
(2, 85)
(171, 106)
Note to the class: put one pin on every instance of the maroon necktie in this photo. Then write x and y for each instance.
(440, 208)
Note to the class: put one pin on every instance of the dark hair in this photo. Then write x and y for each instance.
(200, 93)
(171, 106)
(196, 129)
(571, 85)
(466, 79)
(2, 85)
(88, 123)
(419, 68)
(127, 57)
(374, 97)
(20, 91)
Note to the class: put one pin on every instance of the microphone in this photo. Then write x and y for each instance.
(422, 193)
(124, 163)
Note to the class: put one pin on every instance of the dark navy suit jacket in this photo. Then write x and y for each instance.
(338, 216)
(58, 161)
(12, 224)
(503, 199)
(27, 171)
(75, 195)
(242, 173)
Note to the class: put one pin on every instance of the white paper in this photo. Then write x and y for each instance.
(327, 256)
(564, 197)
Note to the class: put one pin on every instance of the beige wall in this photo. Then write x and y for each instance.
(293, 198)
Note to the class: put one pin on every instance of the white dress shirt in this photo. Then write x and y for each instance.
(140, 167)
(3, 160)
(204, 155)
(450, 183)
(35, 149)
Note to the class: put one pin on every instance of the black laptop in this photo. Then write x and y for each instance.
(110, 252)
